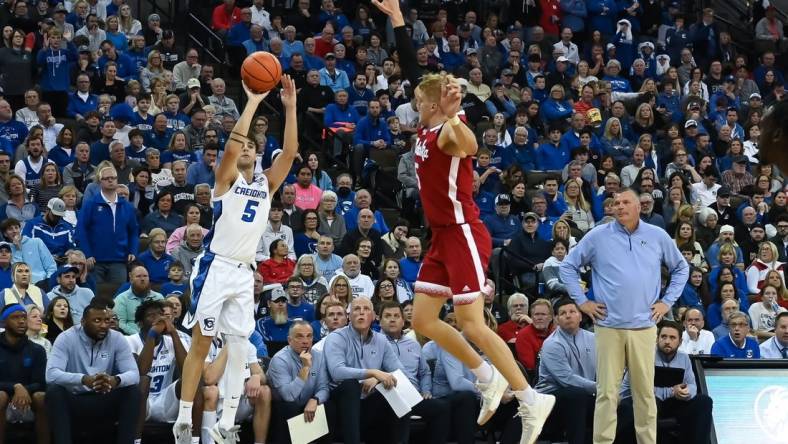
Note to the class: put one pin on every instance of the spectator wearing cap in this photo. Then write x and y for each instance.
(192, 99)
(52, 229)
(59, 14)
(22, 382)
(335, 78)
(152, 32)
(78, 297)
(502, 225)
(531, 251)
(187, 70)
(275, 326)
(6, 272)
(738, 177)
(81, 101)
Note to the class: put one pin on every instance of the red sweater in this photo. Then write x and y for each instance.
(221, 20)
(508, 330)
(276, 272)
(528, 345)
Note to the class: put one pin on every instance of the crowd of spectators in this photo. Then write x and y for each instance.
(110, 132)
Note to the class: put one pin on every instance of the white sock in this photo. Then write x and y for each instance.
(208, 420)
(236, 362)
(483, 373)
(185, 413)
(195, 440)
(527, 396)
(138, 441)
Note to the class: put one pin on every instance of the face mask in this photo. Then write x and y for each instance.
(343, 191)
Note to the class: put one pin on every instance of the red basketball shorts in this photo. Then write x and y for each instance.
(456, 264)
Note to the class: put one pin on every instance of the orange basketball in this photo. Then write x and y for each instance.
(261, 71)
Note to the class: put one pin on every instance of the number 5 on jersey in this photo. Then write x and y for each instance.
(250, 211)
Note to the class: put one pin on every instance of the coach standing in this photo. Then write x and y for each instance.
(625, 256)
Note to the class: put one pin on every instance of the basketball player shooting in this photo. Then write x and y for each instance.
(221, 288)
(455, 265)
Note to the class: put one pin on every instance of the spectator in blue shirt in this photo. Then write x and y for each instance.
(552, 155)
(502, 225)
(372, 132)
(55, 73)
(359, 95)
(737, 344)
(52, 229)
(602, 14)
(274, 327)
(81, 101)
(203, 171)
(126, 67)
(409, 265)
(556, 108)
(29, 250)
(240, 32)
(331, 76)
(297, 305)
(12, 131)
(255, 41)
(155, 258)
(340, 113)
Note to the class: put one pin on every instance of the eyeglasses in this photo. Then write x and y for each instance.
(386, 286)
(738, 324)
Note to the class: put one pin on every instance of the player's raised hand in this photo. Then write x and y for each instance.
(288, 92)
(388, 7)
(451, 96)
(253, 96)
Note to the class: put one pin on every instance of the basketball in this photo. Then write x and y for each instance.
(261, 71)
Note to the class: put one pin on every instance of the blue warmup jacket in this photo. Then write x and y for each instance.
(104, 237)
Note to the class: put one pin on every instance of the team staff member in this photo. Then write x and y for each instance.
(777, 346)
(298, 378)
(682, 401)
(625, 256)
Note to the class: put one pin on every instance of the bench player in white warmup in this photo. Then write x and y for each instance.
(223, 282)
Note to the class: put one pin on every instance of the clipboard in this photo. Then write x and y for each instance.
(668, 376)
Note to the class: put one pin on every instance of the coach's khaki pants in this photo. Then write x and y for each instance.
(617, 349)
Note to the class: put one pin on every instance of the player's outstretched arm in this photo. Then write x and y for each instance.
(227, 171)
(455, 137)
(407, 55)
(283, 162)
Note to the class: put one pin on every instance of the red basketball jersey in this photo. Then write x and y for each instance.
(445, 182)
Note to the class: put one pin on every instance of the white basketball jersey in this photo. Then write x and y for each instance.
(162, 369)
(240, 216)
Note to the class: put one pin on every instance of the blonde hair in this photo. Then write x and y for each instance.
(609, 124)
(545, 302)
(580, 202)
(431, 86)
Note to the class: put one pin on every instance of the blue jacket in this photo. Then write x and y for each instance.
(58, 239)
(574, 14)
(272, 332)
(351, 221)
(486, 203)
(334, 114)
(369, 130)
(103, 238)
(156, 140)
(252, 46)
(618, 84)
(78, 106)
(348, 357)
(409, 269)
(238, 34)
(339, 82)
(304, 310)
(725, 347)
(119, 40)
(450, 375)
(524, 156)
(630, 282)
(126, 67)
(568, 361)
(288, 386)
(550, 157)
(360, 99)
(35, 253)
(60, 157)
(13, 132)
(55, 68)
(501, 228)
(139, 60)
(553, 110)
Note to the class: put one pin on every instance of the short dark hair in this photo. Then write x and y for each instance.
(564, 301)
(667, 323)
(8, 223)
(390, 304)
(96, 303)
(149, 304)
